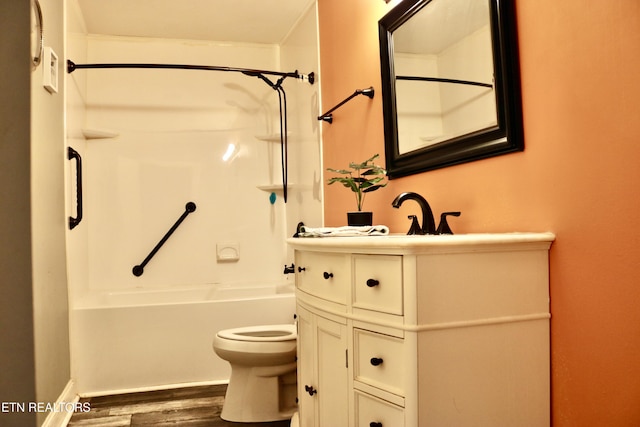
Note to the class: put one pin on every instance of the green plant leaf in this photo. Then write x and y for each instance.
(372, 188)
(342, 171)
(334, 180)
(375, 156)
(361, 178)
(373, 171)
(377, 180)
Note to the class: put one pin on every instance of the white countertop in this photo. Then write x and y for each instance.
(426, 243)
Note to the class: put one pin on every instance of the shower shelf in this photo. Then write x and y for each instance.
(274, 137)
(99, 134)
(273, 187)
(277, 188)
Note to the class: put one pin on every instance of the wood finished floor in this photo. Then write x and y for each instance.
(190, 407)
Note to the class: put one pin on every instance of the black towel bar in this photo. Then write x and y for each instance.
(328, 117)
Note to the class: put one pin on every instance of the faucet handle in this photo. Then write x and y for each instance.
(444, 228)
(415, 226)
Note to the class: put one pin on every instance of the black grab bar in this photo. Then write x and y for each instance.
(73, 154)
(139, 269)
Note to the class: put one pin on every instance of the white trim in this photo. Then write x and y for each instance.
(151, 388)
(480, 322)
(307, 301)
(60, 419)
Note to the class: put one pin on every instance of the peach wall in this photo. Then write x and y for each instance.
(578, 177)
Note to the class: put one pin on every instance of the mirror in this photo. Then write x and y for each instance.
(450, 83)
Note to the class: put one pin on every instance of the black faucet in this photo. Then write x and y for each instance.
(428, 223)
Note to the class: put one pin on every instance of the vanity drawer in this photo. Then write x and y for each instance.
(378, 283)
(371, 411)
(323, 275)
(379, 361)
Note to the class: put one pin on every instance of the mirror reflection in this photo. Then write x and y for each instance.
(450, 83)
(443, 63)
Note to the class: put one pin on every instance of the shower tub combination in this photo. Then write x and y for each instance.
(147, 339)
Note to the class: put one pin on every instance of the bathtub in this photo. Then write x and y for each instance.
(146, 339)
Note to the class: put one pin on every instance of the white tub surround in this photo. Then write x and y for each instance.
(424, 330)
(161, 338)
(153, 140)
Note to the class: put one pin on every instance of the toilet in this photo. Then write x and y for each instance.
(262, 386)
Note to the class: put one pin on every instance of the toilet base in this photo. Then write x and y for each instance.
(260, 394)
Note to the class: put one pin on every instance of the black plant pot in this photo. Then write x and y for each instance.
(359, 218)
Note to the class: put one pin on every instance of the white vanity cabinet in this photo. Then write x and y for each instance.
(322, 374)
(423, 331)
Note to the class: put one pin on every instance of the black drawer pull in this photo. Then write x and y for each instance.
(327, 275)
(301, 269)
(372, 283)
(309, 389)
(376, 361)
(374, 424)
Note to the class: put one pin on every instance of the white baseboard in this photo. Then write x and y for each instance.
(150, 388)
(61, 418)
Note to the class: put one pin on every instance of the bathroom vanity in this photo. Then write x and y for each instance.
(421, 331)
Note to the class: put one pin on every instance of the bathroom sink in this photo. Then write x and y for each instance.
(466, 238)
(421, 242)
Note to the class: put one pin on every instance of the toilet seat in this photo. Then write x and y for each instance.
(263, 333)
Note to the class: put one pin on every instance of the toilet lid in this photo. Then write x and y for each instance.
(266, 333)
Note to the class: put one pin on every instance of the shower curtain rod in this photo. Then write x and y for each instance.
(72, 66)
(440, 80)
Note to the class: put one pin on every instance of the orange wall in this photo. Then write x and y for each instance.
(578, 177)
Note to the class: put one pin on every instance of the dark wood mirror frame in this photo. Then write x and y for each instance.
(505, 137)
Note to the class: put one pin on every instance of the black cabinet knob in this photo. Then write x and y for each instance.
(327, 275)
(301, 269)
(376, 361)
(309, 389)
(372, 283)
(374, 424)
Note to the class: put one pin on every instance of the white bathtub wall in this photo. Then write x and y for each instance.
(75, 117)
(475, 107)
(173, 126)
(134, 348)
(451, 109)
(299, 51)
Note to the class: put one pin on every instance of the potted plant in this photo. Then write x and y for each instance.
(361, 178)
